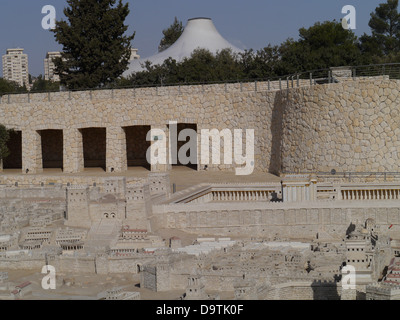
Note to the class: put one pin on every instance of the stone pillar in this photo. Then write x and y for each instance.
(31, 152)
(116, 157)
(73, 150)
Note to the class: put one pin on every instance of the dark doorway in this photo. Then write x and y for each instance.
(52, 148)
(189, 158)
(14, 144)
(137, 146)
(94, 147)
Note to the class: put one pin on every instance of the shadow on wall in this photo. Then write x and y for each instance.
(278, 111)
(325, 290)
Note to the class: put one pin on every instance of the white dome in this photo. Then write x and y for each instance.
(198, 33)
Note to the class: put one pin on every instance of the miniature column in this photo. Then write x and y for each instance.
(73, 150)
(31, 152)
(116, 157)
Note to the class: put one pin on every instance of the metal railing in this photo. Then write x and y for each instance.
(299, 79)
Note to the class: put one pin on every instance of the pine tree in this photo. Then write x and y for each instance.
(96, 50)
(171, 34)
(385, 27)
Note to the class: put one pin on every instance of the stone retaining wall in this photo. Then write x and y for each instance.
(346, 126)
(350, 127)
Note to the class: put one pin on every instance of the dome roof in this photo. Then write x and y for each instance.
(198, 33)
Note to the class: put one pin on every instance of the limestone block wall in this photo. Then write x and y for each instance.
(22, 264)
(298, 290)
(127, 265)
(350, 126)
(208, 107)
(347, 126)
(292, 221)
(148, 278)
(76, 265)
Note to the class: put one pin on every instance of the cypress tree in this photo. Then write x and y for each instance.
(96, 50)
(171, 34)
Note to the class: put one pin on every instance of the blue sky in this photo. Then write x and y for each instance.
(246, 24)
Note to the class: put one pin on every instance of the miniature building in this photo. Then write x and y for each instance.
(41, 221)
(8, 241)
(245, 289)
(69, 239)
(298, 188)
(131, 241)
(175, 243)
(36, 237)
(360, 254)
(383, 291)
(118, 294)
(3, 277)
(22, 290)
(195, 289)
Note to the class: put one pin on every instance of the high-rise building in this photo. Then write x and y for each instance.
(49, 66)
(15, 66)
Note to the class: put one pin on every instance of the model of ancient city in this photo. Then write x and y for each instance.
(300, 211)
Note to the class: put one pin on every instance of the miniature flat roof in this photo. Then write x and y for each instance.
(23, 285)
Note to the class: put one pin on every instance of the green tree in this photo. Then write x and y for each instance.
(323, 45)
(4, 137)
(96, 50)
(41, 85)
(6, 86)
(155, 74)
(203, 66)
(171, 34)
(384, 42)
(10, 87)
(264, 63)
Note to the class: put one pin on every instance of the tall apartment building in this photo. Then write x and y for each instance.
(15, 66)
(49, 66)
